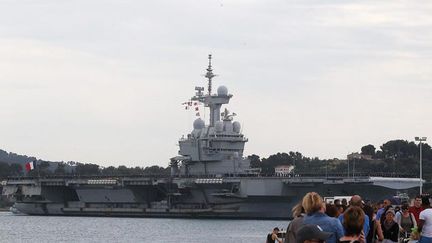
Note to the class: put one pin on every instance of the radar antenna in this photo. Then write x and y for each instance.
(209, 75)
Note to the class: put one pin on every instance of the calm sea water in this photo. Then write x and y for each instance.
(15, 228)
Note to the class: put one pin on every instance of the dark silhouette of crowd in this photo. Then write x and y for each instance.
(357, 221)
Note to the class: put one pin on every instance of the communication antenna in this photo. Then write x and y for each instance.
(209, 75)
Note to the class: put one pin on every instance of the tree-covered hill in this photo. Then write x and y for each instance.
(12, 164)
(392, 157)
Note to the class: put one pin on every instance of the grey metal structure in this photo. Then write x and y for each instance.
(217, 148)
(209, 178)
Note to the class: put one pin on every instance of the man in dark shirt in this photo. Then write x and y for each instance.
(272, 237)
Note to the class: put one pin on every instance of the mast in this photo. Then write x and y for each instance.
(209, 75)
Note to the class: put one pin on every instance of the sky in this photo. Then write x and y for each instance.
(103, 81)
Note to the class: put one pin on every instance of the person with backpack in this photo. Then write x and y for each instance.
(406, 221)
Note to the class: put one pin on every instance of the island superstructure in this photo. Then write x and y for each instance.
(216, 148)
(210, 177)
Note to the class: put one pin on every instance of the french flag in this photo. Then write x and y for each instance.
(30, 166)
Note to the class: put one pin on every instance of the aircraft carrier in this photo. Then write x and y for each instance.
(210, 178)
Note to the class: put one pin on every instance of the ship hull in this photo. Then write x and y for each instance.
(231, 197)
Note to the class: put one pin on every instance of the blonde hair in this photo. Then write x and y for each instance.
(312, 202)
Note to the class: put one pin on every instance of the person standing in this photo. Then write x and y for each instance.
(390, 228)
(354, 218)
(356, 201)
(386, 205)
(315, 207)
(375, 230)
(298, 213)
(425, 224)
(406, 220)
(272, 237)
(416, 208)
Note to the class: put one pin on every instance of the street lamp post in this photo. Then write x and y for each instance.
(420, 140)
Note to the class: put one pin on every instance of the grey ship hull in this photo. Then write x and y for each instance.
(231, 197)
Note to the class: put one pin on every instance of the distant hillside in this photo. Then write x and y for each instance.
(12, 164)
(13, 158)
(393, 157)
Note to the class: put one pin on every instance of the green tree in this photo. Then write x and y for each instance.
(368, 150)
(397, 149)
(255, 161)
(110, 170)
(60, 170)
(87, 169)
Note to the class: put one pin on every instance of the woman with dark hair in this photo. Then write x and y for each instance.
(298, 212)
(390, 227)
(332, 210)
(375, 231)
(354, 218)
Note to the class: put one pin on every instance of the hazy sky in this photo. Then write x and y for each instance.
(103, 81)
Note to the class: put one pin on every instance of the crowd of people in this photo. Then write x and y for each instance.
(355, 221)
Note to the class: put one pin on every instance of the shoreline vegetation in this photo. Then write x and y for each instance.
(393, 157)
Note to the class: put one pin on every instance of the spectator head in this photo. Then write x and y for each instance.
(389, 215)
(425, 201)
(356, 201)
(297, 210)
(332, 210)
(369, 211)
(386, 203)
(418, 201)
(312, 202)
(276, 230)
(354, 218)
(341, 209)
(397, 209)
(404, 207)
(376, 207)
(337, 202)
(309, 233)
(344, 202)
